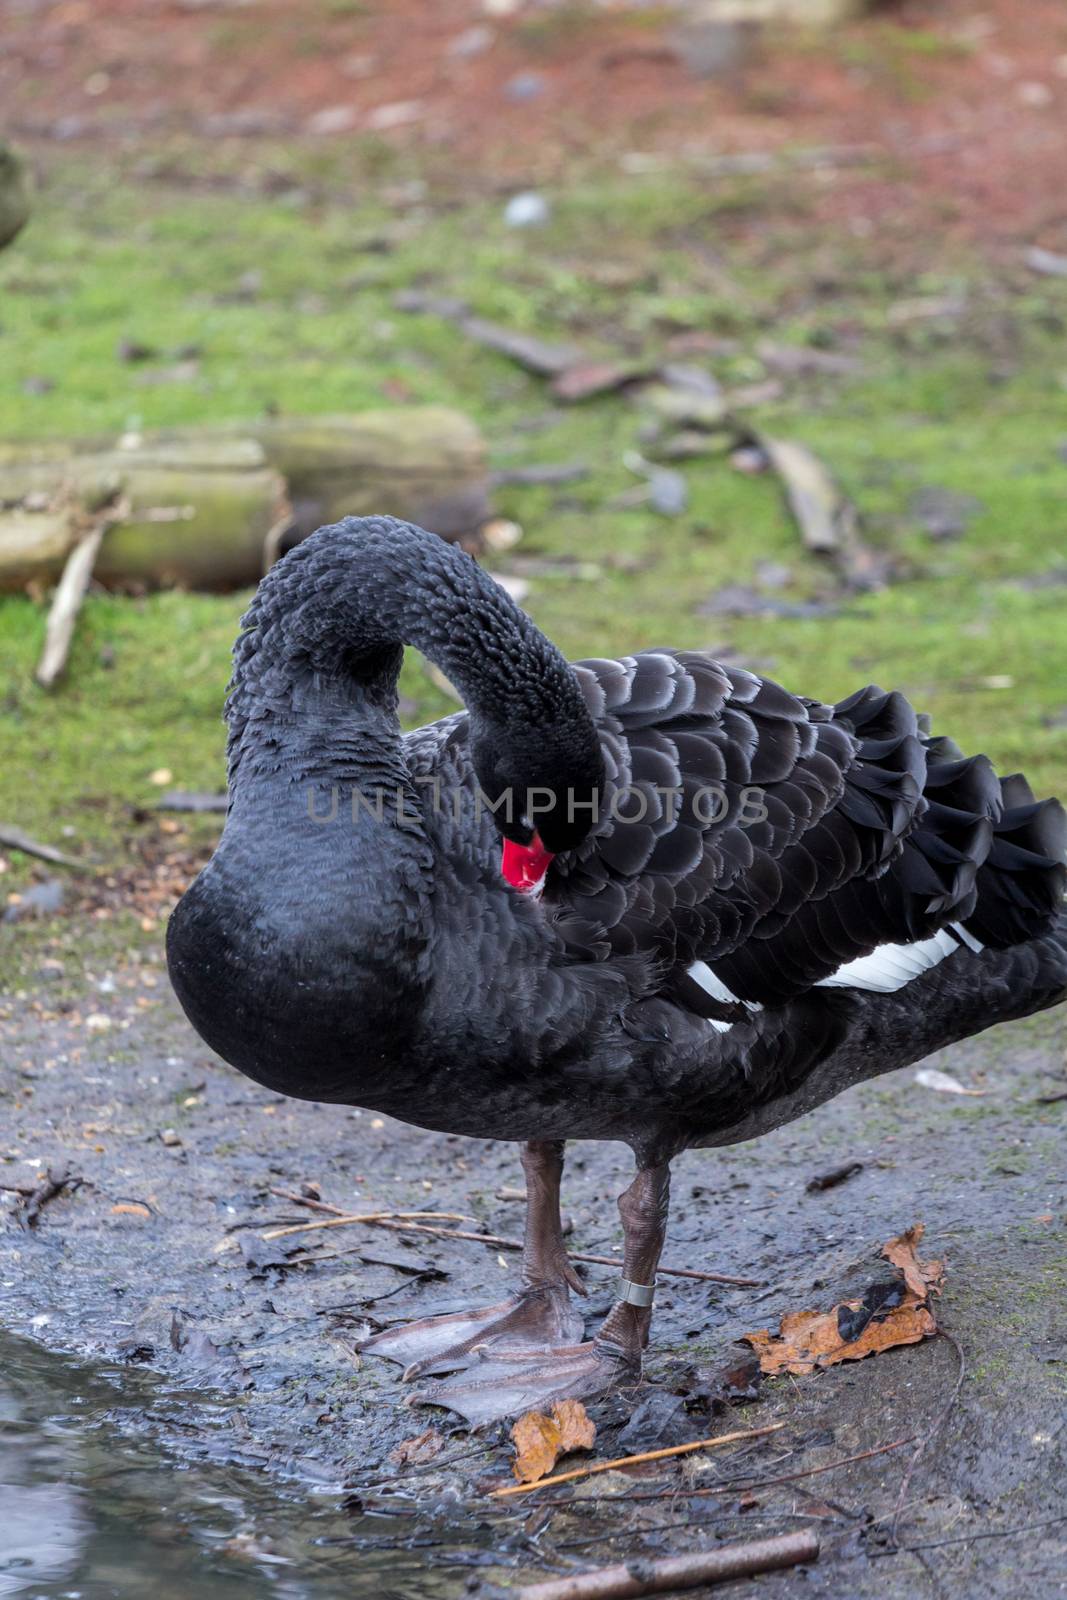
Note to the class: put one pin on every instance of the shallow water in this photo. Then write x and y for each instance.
(108, 1488)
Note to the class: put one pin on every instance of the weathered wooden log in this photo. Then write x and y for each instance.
(14, 195)
(423, 463)
(198, 516)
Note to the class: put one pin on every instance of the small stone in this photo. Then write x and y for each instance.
(750, 459)
(39, 900)
(131, 350)
(517, 588)
(397, 114)
(712, 48)
(524, 86)
(471, 42)
(331, 119)
(501, 534)
(1048, 263)
(97, 1022)
(1037, 95)
(526, 210)
(943, 513)
(359, 66)
(169, 1138)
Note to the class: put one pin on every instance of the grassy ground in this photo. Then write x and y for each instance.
(288, 301)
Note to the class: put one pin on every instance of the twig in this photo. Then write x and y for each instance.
(644, 1576)
(632, 1461)
(380, 1217)
(28, 1210)
(71, 589)
(385, 1219)
(14, 839)
(745, 1481)
(66, 603)
(931, 1433)
(307, 1200)
(969, 1538)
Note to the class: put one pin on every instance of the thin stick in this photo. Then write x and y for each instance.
(312, 1205)
(507, 1244)
(381, 1217)
(71, 590)
(495, 1240)
(644, 1576)
(969, 1538)
(66, 603)
(14, 839)
(633, 1461)
(745, 1481)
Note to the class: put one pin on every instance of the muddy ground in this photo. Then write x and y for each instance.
(153, 1264)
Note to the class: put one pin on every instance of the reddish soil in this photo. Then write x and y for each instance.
(970, 103)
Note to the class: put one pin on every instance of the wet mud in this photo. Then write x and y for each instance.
(180, 1396)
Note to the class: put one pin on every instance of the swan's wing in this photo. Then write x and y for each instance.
(753, 843)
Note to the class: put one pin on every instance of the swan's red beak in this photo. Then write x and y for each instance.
(525, 865)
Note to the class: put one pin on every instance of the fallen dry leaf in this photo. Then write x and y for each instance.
(887, 1316)
(540, 1440)
(423, 1447)
(130, 1209)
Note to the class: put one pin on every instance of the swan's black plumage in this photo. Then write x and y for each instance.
(679, 980)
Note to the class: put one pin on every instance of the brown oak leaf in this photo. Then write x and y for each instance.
(888, 1315)
(540, 1440)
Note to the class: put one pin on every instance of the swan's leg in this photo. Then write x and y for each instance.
(504, 1384)
(539, 1316)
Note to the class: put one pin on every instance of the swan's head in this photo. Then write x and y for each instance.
(545, 781)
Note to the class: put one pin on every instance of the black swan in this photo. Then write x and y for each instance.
(656, 900)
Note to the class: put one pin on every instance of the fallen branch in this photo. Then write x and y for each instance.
(66, 603)
(71, 590)
(638, 1460)
(827, 519)
(14, 839)
(645, 1575)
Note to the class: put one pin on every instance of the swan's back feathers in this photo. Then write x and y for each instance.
(753, 843)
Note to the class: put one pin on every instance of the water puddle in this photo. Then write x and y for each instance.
(108, 1488)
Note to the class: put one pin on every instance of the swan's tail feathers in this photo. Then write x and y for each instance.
(1021, 883)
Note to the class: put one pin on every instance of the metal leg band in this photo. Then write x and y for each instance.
(636, 1294)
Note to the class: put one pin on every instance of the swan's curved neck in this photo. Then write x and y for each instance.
(323, 638)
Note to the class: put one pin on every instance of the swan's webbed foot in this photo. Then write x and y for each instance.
(505, 1384)
(499, 1384)
(535, 1319)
